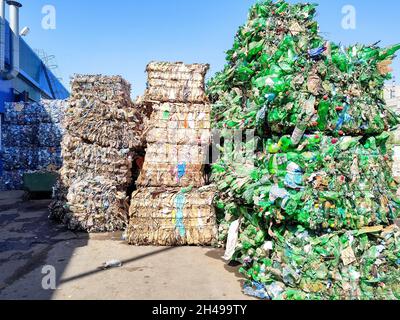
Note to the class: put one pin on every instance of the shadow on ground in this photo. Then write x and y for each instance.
(232, 267)
(26, 238)
(29, 241)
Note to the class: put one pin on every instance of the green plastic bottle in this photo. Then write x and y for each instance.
(273, 148)
(389, 52)
(323, 111)
(264, 59)
(280, 85)
(285, 143)
(314, 141)
(287, 42)
(368, 53)
(273, 165)
(282, 8)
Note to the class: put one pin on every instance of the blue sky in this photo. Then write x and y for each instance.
(121, 37)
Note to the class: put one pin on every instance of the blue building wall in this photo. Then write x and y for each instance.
(34, 77)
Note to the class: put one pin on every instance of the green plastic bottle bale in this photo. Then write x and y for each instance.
(347, 83)
(318, 200)
(338, 177)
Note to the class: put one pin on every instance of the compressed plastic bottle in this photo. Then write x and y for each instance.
(298, 133)
(273, 165)
(302, 125)
(285, 143)
(368, 53)
(389, 52)
(280, 85)
(273, 148)
(282, 8)
(323, 111)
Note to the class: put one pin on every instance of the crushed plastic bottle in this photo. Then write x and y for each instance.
(321, 192)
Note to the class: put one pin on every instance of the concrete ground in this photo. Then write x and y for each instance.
(31, 244)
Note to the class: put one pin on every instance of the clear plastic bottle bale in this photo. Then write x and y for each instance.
(11, 180)
(55, 109)
(49, 159)
(49, 135)
(22, 113)
(15, 158)
(23, 136)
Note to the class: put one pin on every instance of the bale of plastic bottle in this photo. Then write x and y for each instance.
(172, 216)
(92, 205)
(325, 183)
(312, 211)
(281, 74)
(82, 159)
(101, 112)
(31, 138)
(298, 265)
(176, 82)
(102, 141)
(178, 135)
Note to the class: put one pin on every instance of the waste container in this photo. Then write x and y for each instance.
(40, 182)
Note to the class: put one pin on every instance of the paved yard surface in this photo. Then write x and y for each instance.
(29, 242)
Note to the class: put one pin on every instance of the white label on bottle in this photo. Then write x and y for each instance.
(297, 135)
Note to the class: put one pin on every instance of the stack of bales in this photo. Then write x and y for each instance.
(315, 210)
(31, 137)
(101, 143)
(173, 205)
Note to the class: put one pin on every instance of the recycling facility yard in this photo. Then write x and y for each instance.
(303, 197)
(29, 242)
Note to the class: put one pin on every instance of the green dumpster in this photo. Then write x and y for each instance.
(40, 182)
